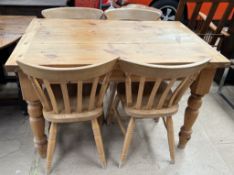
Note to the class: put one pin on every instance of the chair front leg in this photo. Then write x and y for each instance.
(170, 136)
(127, 140)
(99, 142)
(51, 145)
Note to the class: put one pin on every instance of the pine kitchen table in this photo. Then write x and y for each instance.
(68, 43)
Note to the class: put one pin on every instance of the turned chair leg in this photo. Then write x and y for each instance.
(127, 140)
(99, 142)
(51, 145)
(170, 136)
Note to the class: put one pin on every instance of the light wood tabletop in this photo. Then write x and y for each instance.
(47, 42)
(12, 28)
(60, 42)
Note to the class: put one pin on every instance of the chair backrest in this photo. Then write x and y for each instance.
(132, 14)
(52, 85)
(200, 24)
(73, 13)
(141, 6)
(177, 78)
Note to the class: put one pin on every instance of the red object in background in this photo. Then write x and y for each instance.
(87, 3)
(205, 7)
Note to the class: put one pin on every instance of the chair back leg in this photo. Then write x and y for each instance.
(99, 142)
(127, 140)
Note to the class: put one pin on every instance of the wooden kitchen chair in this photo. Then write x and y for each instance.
(71, 95)
(133, 14)
(72, 13)
(154, 91)
(203, 24)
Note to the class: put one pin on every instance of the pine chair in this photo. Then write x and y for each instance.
(154, 91)
(203, 24)
(133, 14)
(71, 95)
(72, 13)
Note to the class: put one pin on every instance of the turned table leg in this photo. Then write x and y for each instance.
(36, 119)
(37, 123)
(199, 89)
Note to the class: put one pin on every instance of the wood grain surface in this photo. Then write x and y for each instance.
(82, 42)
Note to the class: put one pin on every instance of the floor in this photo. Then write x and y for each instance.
(209, 152)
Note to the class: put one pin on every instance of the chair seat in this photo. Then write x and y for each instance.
(143, 112)
(75, 116)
